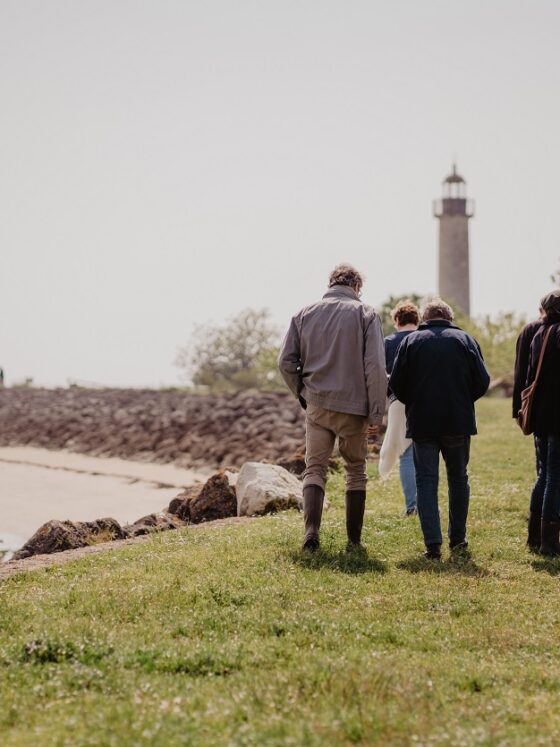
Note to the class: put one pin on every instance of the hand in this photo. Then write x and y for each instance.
(372, 430)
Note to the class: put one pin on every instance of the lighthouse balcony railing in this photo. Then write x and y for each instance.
(453, 206)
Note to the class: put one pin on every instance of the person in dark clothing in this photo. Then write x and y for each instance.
(545, 422)
(522, 357)
(439, 373)
(403, 317)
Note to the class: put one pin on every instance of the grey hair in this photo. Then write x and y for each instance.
(437, 309)
(346, 274)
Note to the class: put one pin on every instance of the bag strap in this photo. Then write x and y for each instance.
(541, 356)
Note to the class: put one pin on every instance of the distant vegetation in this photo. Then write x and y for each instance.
(240, 354)
(24, 383)
(496, 336)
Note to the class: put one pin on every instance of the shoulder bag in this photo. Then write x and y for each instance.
(528, 394)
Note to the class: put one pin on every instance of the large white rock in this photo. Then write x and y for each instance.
(263, 488)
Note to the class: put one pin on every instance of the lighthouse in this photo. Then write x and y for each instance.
(453, 211)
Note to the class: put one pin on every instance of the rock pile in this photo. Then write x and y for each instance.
(226, 431)
(266, 488)
(57, 536)
(164, 426)
(217, 499)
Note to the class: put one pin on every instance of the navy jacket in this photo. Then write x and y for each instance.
(392, 345)
(438, 374)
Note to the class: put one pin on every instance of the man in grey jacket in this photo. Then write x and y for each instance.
(333, 360)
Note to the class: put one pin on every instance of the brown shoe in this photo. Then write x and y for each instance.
(355, 508)
(313, 498)
(550, 531)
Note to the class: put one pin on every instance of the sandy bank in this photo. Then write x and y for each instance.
(164, 475)
(37, 485)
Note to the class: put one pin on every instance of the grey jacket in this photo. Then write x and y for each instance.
(333, 356)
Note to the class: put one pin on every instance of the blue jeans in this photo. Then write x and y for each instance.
(408, 478)
(455, 451)
(545, 499)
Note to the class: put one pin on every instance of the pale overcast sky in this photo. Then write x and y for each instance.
(164, 163)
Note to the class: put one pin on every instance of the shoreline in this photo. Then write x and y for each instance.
(8, 569)
(37, 485)
(164, 475)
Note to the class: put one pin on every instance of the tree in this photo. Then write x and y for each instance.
(555, 277)
(240, 354)
(496, 336)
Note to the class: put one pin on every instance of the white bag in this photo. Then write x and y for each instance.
(395, 442)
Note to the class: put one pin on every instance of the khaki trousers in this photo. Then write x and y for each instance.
(321, 430)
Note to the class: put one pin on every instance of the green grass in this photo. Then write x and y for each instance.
(232, 637)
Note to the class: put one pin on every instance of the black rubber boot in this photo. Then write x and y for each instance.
(433, 552)
(313, 498)
(534, 532)
(461, 546)
(355, 508)
(550, 531)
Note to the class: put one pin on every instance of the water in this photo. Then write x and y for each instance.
(37, 485)
(9, 543)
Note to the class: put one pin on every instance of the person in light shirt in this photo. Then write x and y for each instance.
(405, 317)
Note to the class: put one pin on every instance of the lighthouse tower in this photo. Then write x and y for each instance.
(453, 211)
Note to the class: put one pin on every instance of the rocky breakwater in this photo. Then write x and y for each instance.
(256, 490)
(163, 426)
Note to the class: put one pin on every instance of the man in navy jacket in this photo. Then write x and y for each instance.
(439, 373)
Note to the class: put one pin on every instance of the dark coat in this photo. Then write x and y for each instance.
(392, 345)
(438, 374)
(522, 356)
(545, 417)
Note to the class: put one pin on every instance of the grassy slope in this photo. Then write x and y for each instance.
(230, 637)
